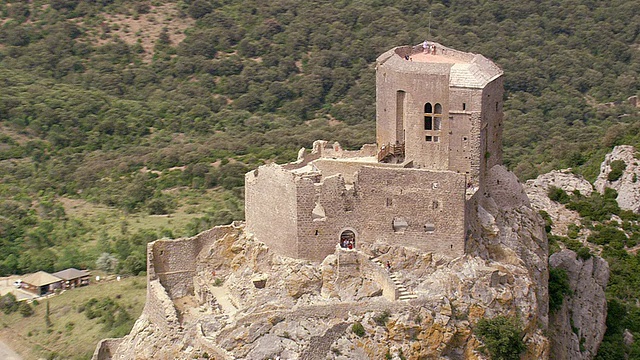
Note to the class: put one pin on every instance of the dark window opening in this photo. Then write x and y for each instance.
(428, 138)
(317, 233)
(428, 108)
(438, 109)
(428, 123)
(464, 106)
(436, 139)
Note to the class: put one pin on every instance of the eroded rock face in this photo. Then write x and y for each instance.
(306, 310)
(627, 185)
(577, 328)
(537, 190)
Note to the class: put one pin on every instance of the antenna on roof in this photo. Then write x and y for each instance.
(429, 24)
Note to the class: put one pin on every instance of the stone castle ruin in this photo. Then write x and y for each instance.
(442, 236)
(438, 131)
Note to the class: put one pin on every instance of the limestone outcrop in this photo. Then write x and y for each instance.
(627, 184)
(577, 328)
(537, 190)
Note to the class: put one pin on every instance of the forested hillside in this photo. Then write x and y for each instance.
(137, 107)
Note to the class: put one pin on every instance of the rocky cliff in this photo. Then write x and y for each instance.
(627, 184)
(235, 299)
(537, 190)
(577, 328)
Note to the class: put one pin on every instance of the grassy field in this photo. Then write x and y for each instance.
(71, 334)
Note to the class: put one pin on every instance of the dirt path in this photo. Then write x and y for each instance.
(7, 354)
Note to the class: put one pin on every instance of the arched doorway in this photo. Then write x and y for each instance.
(348, 239)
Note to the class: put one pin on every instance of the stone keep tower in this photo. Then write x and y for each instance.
(443, 109)
(439, 126)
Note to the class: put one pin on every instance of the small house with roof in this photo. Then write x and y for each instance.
(72, 278)
(41, 283)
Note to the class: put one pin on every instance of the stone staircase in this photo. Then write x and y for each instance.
(403, 292)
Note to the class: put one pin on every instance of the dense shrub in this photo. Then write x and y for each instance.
(358, 329)
(558, 195)
(617, 169)
(607, 235)
(8, 303)
(502, 337)
(558, 288)
(25, 309)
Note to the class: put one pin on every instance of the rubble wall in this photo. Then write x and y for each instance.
(379, 275)
(347, 169)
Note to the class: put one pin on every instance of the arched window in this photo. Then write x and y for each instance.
(437, 119)
(428, 116)
(432, 121)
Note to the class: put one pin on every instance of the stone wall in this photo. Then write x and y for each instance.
(317, 236)
(322, 149)
(464, 144)
(271, 208)
(492, 120)
(159, 308)
(418, 84)
(347, 169)
(105, 349)
(432, 204)
(172, 261)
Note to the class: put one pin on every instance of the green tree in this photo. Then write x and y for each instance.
(502, 337)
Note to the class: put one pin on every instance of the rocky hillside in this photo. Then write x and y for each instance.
(240, 300)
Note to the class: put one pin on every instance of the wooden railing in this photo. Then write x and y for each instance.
(396, 150)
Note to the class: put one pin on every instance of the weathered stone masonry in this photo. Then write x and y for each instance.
(439, 128)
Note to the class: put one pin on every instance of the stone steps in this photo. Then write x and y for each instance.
(403, 292)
